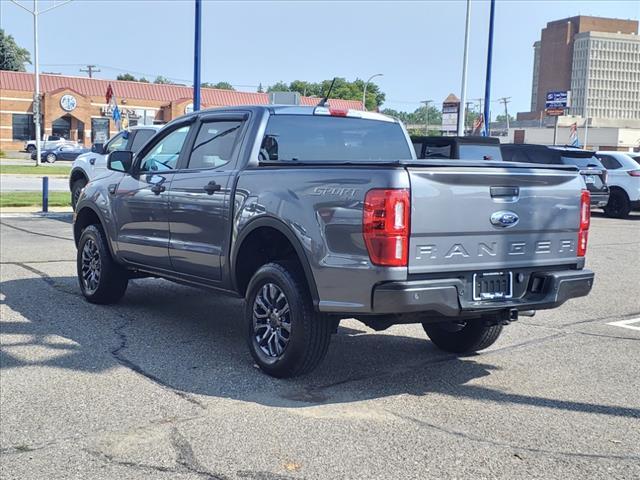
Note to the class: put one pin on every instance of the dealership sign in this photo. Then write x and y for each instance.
(560, 99)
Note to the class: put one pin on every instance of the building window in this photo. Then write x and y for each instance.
(23, 127)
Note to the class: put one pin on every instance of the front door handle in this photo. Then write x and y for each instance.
(212, 187)
(158, 188)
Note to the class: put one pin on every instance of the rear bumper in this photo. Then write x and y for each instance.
(599, 199)
(450, 297)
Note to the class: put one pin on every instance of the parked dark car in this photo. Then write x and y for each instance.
(462, 148)
(63, 152)
(591, 169)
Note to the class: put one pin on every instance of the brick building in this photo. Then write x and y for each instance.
(555, 58)
(75, 108)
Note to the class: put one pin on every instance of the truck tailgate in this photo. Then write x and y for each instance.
(488, 218)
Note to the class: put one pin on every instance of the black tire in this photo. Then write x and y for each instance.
(309, 334)
(473, 336)
(76, 188)
(112, 279)
(619, 205)
(31, 148)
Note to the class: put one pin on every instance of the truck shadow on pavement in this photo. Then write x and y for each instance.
(191, 343)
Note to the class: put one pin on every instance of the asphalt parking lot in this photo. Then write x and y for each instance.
(162, 385)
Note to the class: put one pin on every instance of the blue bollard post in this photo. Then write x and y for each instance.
(45, 194)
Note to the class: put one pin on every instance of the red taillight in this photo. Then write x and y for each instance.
(585, 221)
(634, 173)
(386, 226)
(338, 112)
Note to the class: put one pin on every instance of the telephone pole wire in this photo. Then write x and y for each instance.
(90, 70)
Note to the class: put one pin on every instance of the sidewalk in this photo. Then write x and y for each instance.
(35, 211)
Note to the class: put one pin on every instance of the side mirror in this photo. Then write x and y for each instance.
(120, 161)
(98, 148)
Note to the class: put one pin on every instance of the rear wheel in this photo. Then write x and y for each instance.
(286, 336)
(31, 148)
(101, 279)
(76, 188)
(463, 338)
(619, 205)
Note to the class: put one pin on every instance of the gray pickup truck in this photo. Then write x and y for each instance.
(313, 215)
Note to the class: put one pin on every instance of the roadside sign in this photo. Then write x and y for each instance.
(559, 99)
(554, 112)
(450, 112)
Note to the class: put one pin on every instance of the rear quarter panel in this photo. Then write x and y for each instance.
(322, 208)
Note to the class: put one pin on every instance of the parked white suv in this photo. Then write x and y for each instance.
(51, 142)
(623, 181)
(93, 164)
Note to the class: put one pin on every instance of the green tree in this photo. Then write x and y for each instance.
(278, 87)
(219, 85)
(162, 80)
(143, 80)
(12, 57)
(502, 120)
(127, 76)
(260, 89)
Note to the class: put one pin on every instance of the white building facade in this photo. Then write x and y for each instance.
(605, 77)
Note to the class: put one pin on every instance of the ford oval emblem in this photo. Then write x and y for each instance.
(504, 219)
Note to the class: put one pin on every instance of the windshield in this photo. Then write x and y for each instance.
(314, 138)
(479, 152)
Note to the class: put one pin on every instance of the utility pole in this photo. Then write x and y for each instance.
(36, 69)
(463, 88)
(426, 110)
(90, 70)
(487, 85)
(505, 101)
(467, 109)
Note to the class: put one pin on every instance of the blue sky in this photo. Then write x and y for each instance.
(417, 45)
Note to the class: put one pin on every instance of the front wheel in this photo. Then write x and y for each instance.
(464, 338)
(101, 279)
(286, 336)
(51, 158)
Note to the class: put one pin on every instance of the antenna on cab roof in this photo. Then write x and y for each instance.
(323, 102)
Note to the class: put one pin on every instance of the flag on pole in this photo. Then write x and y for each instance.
(573, 135)
(109, 95)
(116, 116)
(477, 125)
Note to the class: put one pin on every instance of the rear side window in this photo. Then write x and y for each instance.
(141, 138)
(581, 161)
(609, 162)
(437, 151)
(214, 144)
(418, 149)
(480, 152)
(315, 138)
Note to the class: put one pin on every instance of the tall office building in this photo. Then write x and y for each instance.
(595, 55)
(605, 76)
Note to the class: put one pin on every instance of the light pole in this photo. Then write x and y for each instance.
(426, 122)
(487, 86)
(463, 89)
(36, 68)
(196, 57)
(364, 93)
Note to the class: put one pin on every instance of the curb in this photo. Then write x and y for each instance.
(36, 214)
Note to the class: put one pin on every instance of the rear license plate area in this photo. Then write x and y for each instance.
(590, 179)
(492, 286)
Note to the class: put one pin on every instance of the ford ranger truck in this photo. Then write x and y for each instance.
(314, 215)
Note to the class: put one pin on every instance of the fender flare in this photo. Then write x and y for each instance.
(73, 172)
(103, 223)
(283, 228)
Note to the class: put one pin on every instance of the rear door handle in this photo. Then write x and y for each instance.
(212, 187)
(158, 189)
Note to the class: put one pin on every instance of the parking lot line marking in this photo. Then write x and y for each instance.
(627, 324)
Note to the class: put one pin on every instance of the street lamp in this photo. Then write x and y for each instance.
(364, 93)
(426, 122)
(36, 67)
